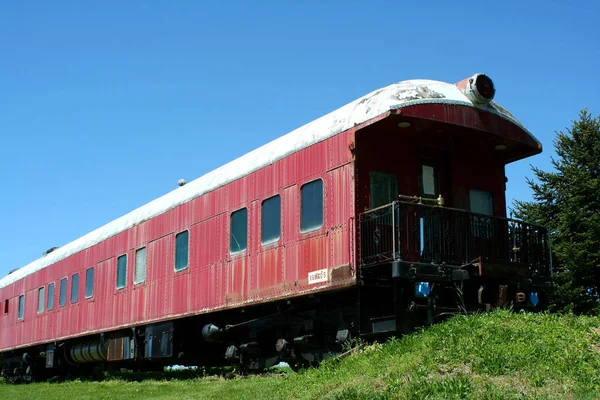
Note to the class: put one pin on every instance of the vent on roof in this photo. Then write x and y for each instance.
(50, 250)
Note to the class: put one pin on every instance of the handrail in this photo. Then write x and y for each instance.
(461, 211)
(424, 233)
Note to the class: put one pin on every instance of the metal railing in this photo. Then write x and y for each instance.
(416, 232)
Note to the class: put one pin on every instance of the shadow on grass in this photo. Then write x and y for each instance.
(167, 374)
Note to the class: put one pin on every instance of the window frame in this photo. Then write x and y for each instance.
(21, 307)
(436, 180)
(42, 298)
(6, 306)
(316, 228)
(48, 297)
(93, 282)
(187, 264)
(239, 251)
(135, 264)
(117, 287)
(74, 293)
(60, 291)
(262, 222)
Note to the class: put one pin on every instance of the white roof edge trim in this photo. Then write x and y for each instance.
(397, 95)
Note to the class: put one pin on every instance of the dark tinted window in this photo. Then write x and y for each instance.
(62, 296)
(181, 250)
(311, 213)
(121, 271)
(74, 288)
(50, 303)
(238, 237)
(270, 220)
(384, 188)
(89, 283)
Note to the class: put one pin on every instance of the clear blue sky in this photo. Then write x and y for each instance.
(105, 105)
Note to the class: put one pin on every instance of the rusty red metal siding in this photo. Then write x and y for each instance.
(214, 279)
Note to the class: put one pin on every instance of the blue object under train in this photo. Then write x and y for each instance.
(422, 289)
(534, 299)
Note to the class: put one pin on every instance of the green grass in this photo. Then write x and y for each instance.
(499, 355)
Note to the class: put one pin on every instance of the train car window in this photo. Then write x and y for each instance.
(122, 271)
(311, 212)
(181, 250)
(21, 306)
(481, 202)
(41, 298)
(62, 295)
(238, 238)
(89, 283)
(74, 288)
(6, 306)
(50, 303)
(428, 182)
(384, 188)
(139, 275)
(270, 220)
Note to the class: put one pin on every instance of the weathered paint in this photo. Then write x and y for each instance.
(216, 279)
(360, 112)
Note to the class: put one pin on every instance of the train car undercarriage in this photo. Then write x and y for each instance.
(390, 299)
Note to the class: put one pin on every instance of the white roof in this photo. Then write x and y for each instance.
(398, 95)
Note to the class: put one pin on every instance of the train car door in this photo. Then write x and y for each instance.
(433, 181)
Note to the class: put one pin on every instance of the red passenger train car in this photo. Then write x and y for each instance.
(386, 213)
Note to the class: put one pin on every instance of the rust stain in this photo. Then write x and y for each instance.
(341, 272)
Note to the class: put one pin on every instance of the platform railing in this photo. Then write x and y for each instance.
(416, 232)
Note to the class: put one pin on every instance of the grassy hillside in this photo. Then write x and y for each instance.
(500, 355)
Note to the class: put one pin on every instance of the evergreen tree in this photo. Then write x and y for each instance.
(567, 201)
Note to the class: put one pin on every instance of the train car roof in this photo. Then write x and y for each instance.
(395, 96)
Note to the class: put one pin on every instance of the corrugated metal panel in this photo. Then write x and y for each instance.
(314, 255)
(339, 149)
(291, 260)
(179, 294)
(209, 282)
(237, 280)
(290, 233)
(214, 278)
(340, 209)
(269, 272)
(268, 180)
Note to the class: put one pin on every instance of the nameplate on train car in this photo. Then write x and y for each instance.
(318, 276)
